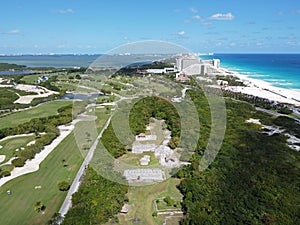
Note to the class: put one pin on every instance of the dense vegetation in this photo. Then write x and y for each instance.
(96, 201)
(111, 143)
(259, 102)
(254, 179)
(49, 84)
(8, 96)
(7, 66)
(131, 70)
(232, 81)
(158, 108)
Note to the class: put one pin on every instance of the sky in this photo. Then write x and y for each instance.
(96, 26)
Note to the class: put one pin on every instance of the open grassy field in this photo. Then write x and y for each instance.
(31, 79)
(44, 110)
(18, 208)
(133, 159)
(66, 86)
(86, 132)
(141, 202)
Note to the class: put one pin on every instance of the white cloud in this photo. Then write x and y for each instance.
(220, 16)
(293, 43)
(197, 17)
(181, 33)
(193, 10)
(65, 11)
(16, 31)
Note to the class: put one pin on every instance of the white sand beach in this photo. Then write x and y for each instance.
(263, 89)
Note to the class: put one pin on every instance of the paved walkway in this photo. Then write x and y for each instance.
(77, 180)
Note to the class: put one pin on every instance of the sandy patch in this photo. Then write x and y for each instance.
(255, 121)
(2, 158)
(41, 93)
(31, 143)
(6, 85)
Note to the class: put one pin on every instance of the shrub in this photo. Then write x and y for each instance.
(154, 214)
(64, 186)
(5, 173)
(19, 162)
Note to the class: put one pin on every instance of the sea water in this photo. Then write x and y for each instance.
(56, 61)
(281, 70)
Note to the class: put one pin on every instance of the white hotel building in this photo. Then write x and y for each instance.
(192, 65)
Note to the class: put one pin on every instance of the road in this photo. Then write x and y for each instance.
(77, 180)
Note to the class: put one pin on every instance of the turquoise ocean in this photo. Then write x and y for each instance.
(281, 70)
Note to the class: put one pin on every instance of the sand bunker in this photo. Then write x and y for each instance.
(2, 158)
(41, 93)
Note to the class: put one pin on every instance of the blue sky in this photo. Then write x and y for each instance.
(96, 26)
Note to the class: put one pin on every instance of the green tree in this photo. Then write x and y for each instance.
(39, 207)
(63, 186)
(18, 162)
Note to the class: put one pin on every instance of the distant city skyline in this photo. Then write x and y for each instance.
(95, 27)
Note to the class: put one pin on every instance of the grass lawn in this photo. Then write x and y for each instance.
(18, 208)
(66, 86)
(141, 202)
(31, 79)
(133, 159)
(86, 132)
(44, 110)
(162, 205)
(10, 146)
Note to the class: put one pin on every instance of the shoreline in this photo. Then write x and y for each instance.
(261, 88)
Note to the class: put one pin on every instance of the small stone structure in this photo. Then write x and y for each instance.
(145, 160)
(144, 175)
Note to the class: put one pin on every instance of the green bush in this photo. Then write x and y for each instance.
(64, 186)
(19, 162)
(4, 173)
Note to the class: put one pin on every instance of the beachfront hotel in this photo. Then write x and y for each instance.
(192, 65)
